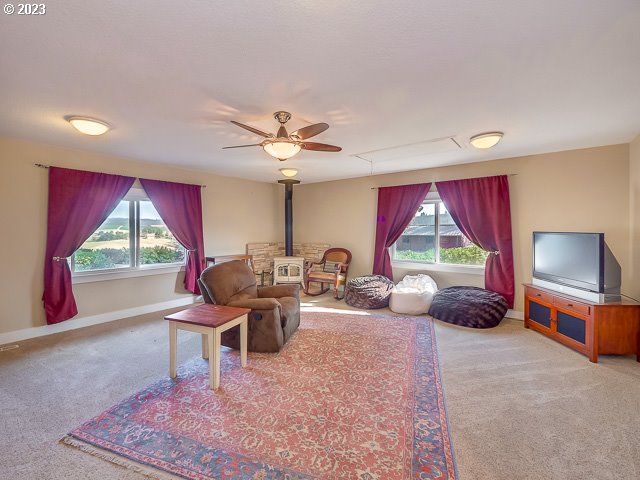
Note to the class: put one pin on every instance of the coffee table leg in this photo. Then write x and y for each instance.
(243, 342)
(214, 364)
(205, 347)
(173, 341)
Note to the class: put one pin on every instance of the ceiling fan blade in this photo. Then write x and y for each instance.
(251, 129)
(310, 130)
(320, 147)
(242, 146)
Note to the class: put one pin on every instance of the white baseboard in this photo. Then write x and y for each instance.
(72, 324)
(515, 314)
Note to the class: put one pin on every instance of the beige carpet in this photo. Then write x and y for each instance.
(520, 406)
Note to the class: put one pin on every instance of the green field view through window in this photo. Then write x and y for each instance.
(133, 235)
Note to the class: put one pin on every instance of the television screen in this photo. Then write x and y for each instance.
(574, 259)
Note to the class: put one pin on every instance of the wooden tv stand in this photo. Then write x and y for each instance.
(611, 328)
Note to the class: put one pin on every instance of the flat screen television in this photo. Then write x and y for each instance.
(576, 260)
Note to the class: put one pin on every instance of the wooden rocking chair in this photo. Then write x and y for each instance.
(331, 270)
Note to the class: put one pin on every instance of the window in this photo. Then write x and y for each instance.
(433, 237)
(133, 237)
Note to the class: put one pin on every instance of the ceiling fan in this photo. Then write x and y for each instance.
(285, 145)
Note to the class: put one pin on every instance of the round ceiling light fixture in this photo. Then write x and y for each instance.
(281, 148)
(289, 172)
(486, 140)
(88, 125)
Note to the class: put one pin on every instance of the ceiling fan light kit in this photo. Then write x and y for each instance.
(281, 149)
(88, 125)
(486, 140)
(284, 145)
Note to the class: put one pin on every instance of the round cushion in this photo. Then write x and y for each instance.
(413, 295)
(371, 291)
(469, 306)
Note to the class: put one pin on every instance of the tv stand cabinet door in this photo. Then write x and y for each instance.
(538, 311)
(576, 332)
(539, 317)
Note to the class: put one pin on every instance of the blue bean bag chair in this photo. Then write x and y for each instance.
(469, 307)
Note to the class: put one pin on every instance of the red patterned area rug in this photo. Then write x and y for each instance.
(351, 396)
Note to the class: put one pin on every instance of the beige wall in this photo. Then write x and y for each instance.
(634, 217)
(595, 189)
(577, 190)
(235, 212)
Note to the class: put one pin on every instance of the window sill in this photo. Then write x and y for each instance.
(90, 277)
(440, 267)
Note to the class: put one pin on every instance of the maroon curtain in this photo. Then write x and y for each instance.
(396, 208)
(180, 207)
(78, 204)
(480, 207)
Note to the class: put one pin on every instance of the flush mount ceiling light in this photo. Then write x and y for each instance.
(88, 125)
(486, 140)
(289, 172)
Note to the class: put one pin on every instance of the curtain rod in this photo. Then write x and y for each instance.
(40, 165)
(468, 178)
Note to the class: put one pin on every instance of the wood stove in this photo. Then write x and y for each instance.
(288, 270)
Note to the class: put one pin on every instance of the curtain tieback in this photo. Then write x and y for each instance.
(59, 259)
(191, 250)
(495, 252)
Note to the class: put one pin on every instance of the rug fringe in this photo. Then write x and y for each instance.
(116, 459)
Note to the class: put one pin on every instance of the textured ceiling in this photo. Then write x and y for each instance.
(553, 75)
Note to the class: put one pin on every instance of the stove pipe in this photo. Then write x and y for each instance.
(288, 215)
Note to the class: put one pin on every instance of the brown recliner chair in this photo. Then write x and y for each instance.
(275, 311)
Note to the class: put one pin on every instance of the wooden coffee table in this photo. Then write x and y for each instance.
(210, 321)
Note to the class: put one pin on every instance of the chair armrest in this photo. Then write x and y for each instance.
(338, 267)
(279, 291)
(207, 297)
(265, 320)
(309, 265)
(256, 303)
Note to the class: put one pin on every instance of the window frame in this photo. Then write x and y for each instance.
(434, 198)
(135, 269)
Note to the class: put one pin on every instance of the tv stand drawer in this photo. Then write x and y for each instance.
(572, 306)
(536, 294)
